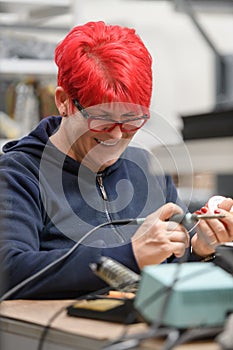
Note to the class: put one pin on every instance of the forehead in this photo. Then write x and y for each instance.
(117, 108)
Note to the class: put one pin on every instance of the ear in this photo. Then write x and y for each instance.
(62, 101)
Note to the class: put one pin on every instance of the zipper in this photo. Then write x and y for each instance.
(99, 179)
(101, 186)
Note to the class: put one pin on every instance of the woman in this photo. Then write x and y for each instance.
(77, 171)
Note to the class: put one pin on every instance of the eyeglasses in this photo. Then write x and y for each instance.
(104, 124)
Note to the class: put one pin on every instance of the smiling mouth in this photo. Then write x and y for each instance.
(108, 143)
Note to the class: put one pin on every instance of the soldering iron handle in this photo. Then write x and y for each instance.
(185, 219)
(177, 218)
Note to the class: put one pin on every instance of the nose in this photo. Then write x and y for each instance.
(116, 132)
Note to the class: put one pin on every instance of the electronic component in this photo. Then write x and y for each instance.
(213, 203)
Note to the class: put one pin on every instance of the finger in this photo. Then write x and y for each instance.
(219, 230)
(169, 209)
(227, 221)
(174, 226)
(206, 233)
(180, 237)
(227, 204)
(177, 232)
(163, 214)
(178, 249)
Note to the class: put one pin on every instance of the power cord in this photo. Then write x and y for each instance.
(58, 312)
(13, 290)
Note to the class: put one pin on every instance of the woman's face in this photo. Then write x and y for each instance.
(99, 139)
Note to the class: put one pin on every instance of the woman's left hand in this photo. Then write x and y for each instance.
(211, 233)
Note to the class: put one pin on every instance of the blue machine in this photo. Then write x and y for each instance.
(185, 295)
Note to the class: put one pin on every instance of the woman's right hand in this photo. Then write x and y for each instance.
(157, 238)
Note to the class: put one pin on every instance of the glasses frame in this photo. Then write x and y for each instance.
(114, 122)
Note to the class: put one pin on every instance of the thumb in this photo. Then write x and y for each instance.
(227, 204)
(169, 209)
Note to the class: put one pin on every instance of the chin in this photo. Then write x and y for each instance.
(107, 164)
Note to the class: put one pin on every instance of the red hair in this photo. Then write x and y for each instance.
(104, 63)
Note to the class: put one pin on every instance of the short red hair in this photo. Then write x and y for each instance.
(100, 63)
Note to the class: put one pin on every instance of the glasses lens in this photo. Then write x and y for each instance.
(100, 124)
(133, 124)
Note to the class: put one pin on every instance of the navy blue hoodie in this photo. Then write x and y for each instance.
(48, 201)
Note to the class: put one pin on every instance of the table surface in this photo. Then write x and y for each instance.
(38, 313)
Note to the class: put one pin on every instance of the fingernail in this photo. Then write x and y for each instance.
(204, 210)
(198, 212)
(217, 211)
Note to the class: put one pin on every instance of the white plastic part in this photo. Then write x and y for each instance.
(213, 203)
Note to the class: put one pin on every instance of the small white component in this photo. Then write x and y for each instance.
(214, 201)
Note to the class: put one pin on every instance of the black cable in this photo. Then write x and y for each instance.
(10, 292)
(48, 326)
(58, 312)
(130, 342)
(194, 333)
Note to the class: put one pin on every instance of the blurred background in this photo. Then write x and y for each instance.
(192, 48)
